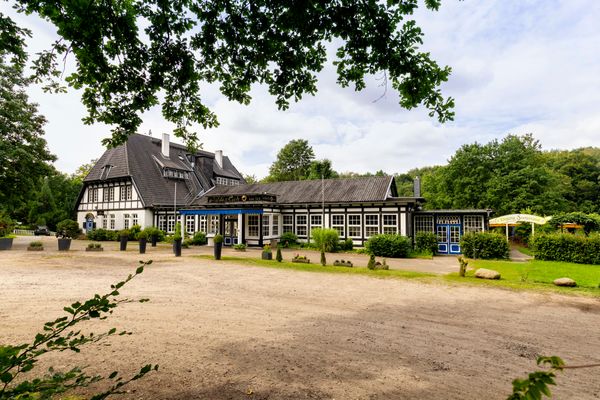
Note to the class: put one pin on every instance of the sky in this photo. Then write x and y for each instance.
(519, 66)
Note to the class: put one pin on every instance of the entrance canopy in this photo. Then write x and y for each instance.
(516, 219)
(220, 212)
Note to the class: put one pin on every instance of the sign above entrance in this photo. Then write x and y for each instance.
(518, 218)
(242, 198)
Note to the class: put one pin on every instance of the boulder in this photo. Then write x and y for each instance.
(565, 282)
(484, 273)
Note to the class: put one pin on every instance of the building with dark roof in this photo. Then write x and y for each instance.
(152, 182)
(132, 183)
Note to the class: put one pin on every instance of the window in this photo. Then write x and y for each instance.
(104, 222)
(275, 225)
(202, 223)
(448, 219)
(162, 223)
(301, 229)
(337, 223)
(423, 223)
(92, 195)
(170, 223)
(105, 194)
(112, 222)
(316, 221)
(265, 225)
(213, 224)
(390, 224)
(354, 226)
(134, 219)
(253, 225)
(473, 223)
(371, 225)
(105, 171)
(288, 223)
(126, 221)
(190, 224)
(227, 182)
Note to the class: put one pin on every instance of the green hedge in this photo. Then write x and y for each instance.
(102, 235)
(484, 245)
(325, 239)
(567, 247)
(396, 246)
(426, 242)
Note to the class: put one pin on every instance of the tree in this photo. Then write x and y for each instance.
(321, 169)
(131, 56)
(24, 156)
(250, 178)
(293, 162)
(84, 169)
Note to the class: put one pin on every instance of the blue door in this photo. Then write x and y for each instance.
(448, 236)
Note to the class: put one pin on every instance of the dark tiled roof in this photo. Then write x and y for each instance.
(370, 189)
(141, 159)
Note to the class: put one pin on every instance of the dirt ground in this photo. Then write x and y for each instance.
(225, 331)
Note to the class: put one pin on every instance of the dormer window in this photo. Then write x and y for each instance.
(175, 173)
(105, 171)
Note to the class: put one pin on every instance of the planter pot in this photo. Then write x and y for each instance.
(6, 243)
(267, 255)
(143, 242)
(64, 244)
(123, 240)
(153, 240)
(177, 247)
(35, 248)
(218, 248)
(301, 261)
(94, 249)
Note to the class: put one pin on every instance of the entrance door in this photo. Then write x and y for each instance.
(231, 232)
(448, 239)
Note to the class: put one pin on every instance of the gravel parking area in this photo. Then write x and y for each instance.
(224, 331)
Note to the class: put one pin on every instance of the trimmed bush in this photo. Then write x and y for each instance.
(567, 247)
(484, 245)
(199, 239)
(6, 225)
(68, 228)
(154, 231)
(287, 239)
(426, 242)
(103, 235)
(134, 231)
(388, 245)
(346, 245)
(325, 239)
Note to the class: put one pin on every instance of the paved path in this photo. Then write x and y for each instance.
(516, 255)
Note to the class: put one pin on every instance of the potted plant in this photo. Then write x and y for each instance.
(6, 227)
(65, 231)
(218, 241)
(123, 239)
(153, 233)
(143, 240)
(177, 240)
(35, 246)
(267, 254)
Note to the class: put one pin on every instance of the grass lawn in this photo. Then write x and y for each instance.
(536, 275)
(316, 267)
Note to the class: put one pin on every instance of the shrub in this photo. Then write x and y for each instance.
(279, 257)
(325, 239)
(134, 232)
(287, 239)
(346, 245)
(371, 264)
(177, 235)
(396, 246)
(484, 245)
(218, 239)
(36, 244)
(186, 243)
(123, 233)
(199, 239)
(6, 225)
(239, 247)
(142, 235)
(426, 242)
(101, 235)
(267, 248)
(154, 231)
(567, 247)
(68, 228)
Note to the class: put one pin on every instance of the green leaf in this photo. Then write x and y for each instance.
(6, 377)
